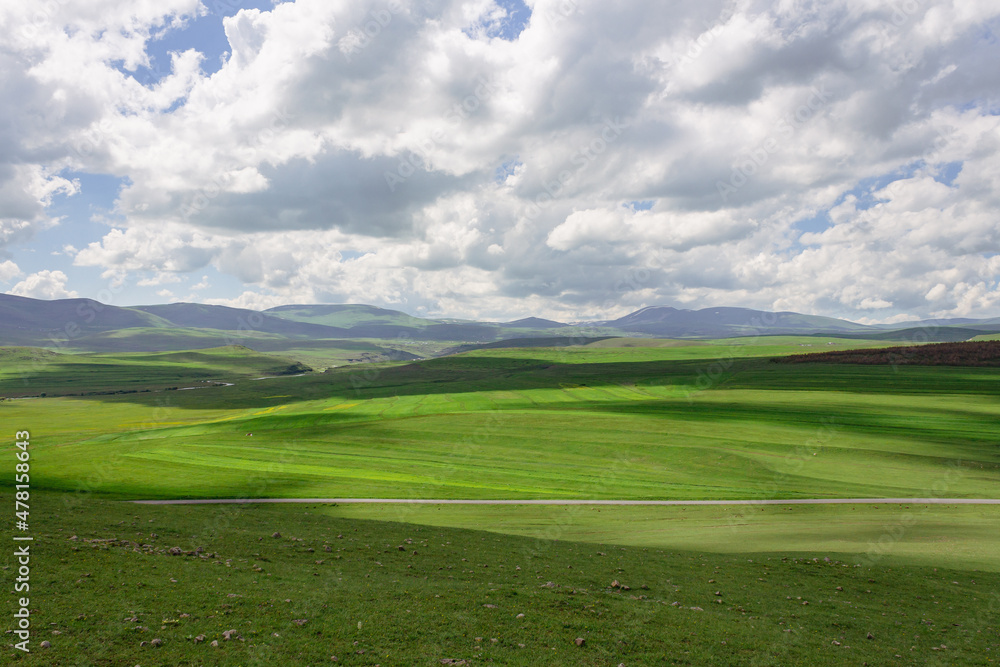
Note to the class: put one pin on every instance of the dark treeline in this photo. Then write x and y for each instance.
(978, 353)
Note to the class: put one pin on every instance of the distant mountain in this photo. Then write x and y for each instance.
(952, 322)
(534, 323)
(724, 321)
(348, 315)
(25, 321)
(955, 321)
(202, 316)
(89, 325)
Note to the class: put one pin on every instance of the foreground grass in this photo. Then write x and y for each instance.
(958, 536)
(459, 594)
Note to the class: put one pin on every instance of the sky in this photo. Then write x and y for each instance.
(495, 159)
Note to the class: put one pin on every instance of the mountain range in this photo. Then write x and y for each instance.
(85, 324)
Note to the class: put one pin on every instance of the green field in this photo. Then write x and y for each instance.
(708, 420)
(407, 594)
(630, 423)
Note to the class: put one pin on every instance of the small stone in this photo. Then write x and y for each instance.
(199, 639)
(45, 645)
(156, 642)
(836, 643)
(580, 641)
(215, 643)
(871, 636)
(519, 616)
(276, 534)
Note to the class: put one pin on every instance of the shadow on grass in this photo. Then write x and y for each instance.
(146, 383)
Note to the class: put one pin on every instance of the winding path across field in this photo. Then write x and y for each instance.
(454, 501)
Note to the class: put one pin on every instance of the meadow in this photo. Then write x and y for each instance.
(608, 420)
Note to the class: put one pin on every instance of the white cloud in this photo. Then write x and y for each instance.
(324, 163)
(44, 285)
(8, 271)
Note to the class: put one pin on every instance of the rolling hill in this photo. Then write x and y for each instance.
(723, 322)
(87, 325)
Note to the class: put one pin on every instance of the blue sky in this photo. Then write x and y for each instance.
(496, 159)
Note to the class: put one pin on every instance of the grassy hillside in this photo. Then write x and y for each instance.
(604, 423)
(31, 372)
(348, 315)
(408, 584)
(300, 585)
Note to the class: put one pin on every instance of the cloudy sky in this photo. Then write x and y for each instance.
(497, 159)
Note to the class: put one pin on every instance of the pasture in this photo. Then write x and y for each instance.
(710, 420)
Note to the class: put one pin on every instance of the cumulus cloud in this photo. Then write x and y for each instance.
(44, 285)
(405, 154)
(8, 271)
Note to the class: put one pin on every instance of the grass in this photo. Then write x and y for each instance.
(712, 420)
(956, 536)
(458, 594)
(35, 372)
(641, 429)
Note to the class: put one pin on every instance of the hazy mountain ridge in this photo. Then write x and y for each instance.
(88, 324)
